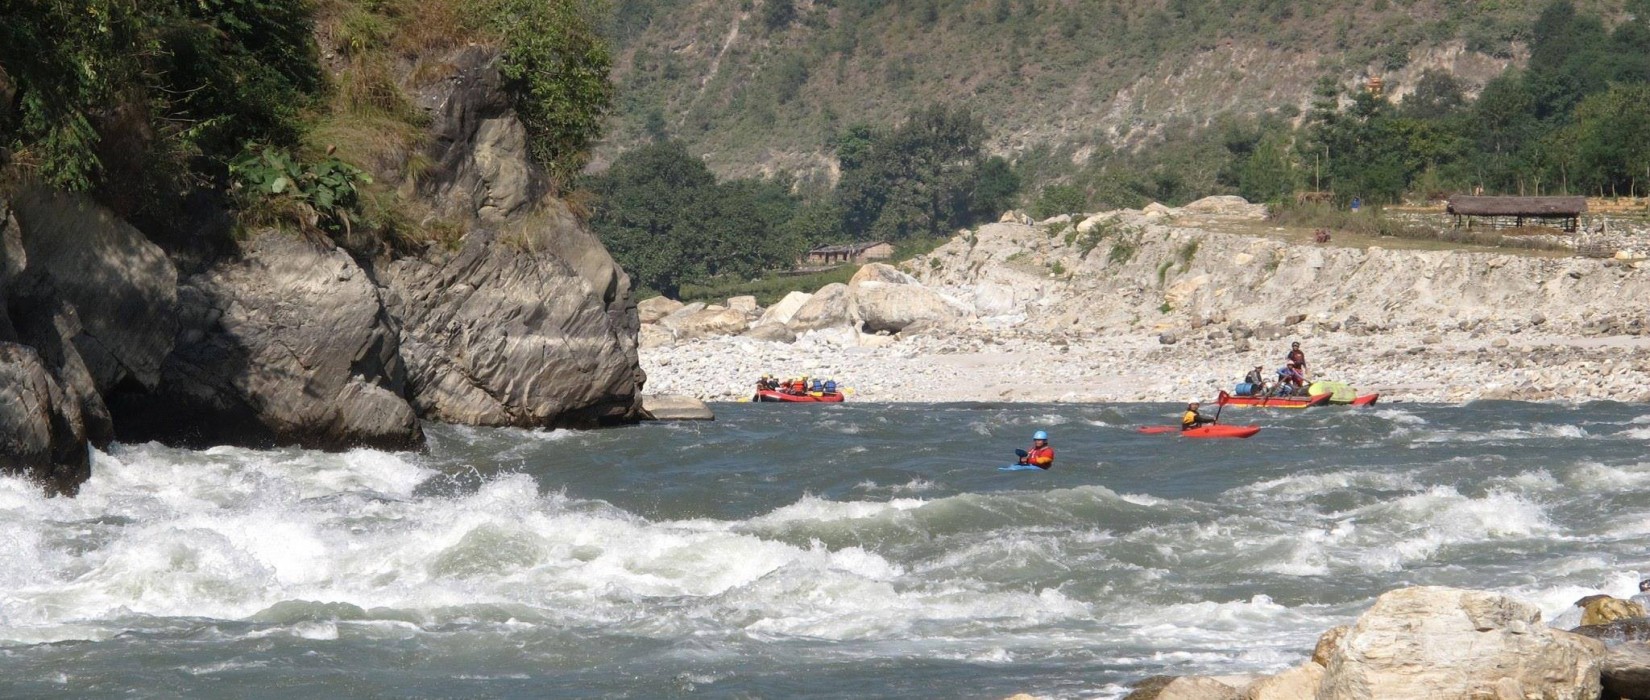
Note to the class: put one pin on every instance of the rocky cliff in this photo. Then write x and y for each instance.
(291, 340)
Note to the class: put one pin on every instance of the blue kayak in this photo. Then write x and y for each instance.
(1021, 468)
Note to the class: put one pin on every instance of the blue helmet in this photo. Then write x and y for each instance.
(1040, 435)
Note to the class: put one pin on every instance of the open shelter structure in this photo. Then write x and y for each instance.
(1496, 212)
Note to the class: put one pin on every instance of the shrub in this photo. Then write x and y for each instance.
(323, 195)
(557, 64)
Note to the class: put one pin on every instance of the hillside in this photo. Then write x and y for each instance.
(762, 87)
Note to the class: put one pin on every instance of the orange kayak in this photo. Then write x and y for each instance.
(1207, 431)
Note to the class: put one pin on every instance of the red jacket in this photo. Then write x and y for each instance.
(1040, 456)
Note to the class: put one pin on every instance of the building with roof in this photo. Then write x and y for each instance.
(1496, 212)
(850, 253)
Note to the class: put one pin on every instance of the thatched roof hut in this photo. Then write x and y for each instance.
(1567, 210)
(1518, 206)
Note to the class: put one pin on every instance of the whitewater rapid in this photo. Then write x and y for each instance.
(762, 554)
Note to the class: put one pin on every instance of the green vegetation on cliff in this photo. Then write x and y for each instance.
(290, 104)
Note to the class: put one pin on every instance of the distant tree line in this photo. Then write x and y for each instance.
(667, 220)
(1574, 120)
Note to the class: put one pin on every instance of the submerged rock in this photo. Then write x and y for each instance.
(673, 407)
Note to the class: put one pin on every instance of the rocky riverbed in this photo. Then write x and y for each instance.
(1176, 304)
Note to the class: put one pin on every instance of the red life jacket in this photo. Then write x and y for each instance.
(1040, 456)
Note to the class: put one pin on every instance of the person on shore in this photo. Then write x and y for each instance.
(1297, 358)
(1041, 454)
(1192, 418)
(1643, 598)
(1256, 379)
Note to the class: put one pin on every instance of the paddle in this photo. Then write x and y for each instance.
(1019, 453)
(1220, 406)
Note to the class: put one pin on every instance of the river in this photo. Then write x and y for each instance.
(855, 550)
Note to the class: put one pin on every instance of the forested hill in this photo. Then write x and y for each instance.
(764, 86)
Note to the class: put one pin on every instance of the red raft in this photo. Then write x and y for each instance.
(1226, 399)
(1208, 431)
(769, 395)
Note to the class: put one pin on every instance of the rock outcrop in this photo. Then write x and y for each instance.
(674, 408)
(1626, 671)
(783, 310)
(536, 332)
(41, 435)
(288, 345)
(827, 308)
(1433, 642)
(283, 340)
(122, 287)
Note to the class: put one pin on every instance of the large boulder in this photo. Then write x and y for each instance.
(1227, 205)
(745, 305)
(882, 306)
(651, 309)
(1298, 683)
(288, 345)
(533, 329)
(41, 436)
(880, 272)
(1434, 642)
(711, 322)
(827, 308)
(672, 408)
(771, 332)
(1617, 631)
(674, 319)
(1604, 609)
(1626, 671)
(654, 336)
(782, 311)
(122, 288)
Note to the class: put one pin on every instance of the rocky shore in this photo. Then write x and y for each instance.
(286, 339)
(1176, 304)
(1450, 644)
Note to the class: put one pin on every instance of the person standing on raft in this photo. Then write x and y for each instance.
(1192, 419)
(1041, 455)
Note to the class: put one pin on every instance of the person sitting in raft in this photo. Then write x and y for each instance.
(1041, 455)
(830, 387)
(767, 383)
(1192, 419)
(1290, 381)
(1297, 358)
(1256, 379)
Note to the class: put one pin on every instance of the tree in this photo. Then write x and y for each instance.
(556, 62)
(667, 220)
(647, 202)
(1612, 138)
(916, 179)
(1437, 95)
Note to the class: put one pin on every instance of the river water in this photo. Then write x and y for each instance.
(787, 551)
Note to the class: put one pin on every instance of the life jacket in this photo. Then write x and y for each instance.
(1041, 456)
(1189, 420)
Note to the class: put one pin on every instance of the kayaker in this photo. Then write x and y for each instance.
(1643, 598)
(1041, 454)
(1297, 358)
(1193, 419)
